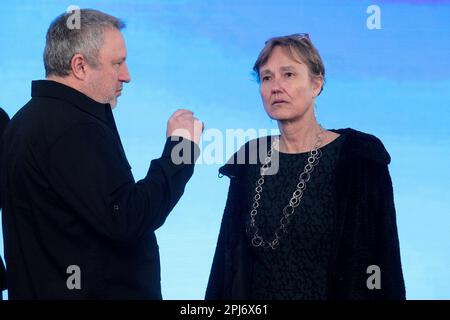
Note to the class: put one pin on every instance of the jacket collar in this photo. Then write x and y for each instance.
(53, 89)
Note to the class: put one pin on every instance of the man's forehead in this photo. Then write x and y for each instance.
(113, 42)
(113, 35)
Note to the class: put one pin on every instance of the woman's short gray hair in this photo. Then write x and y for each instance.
(297, 45)
(63, 42)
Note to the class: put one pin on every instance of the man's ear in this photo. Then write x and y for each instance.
(78, 65)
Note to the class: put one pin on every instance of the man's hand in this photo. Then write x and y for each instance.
(182, 123)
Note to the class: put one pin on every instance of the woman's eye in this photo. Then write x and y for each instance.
(265, 78)
(289, 74)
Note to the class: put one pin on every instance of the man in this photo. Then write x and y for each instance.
(76, 224)
(4, 119)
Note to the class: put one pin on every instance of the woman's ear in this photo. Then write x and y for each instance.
(317, 85)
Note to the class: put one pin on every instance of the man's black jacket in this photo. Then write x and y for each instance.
(71, 202)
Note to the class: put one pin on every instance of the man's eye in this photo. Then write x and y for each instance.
(265, 78)
(289, 74)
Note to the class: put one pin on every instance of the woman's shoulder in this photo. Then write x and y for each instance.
(253, 152)
(355, 144)
(362, 144)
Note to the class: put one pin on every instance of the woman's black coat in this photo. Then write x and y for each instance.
(365, 228)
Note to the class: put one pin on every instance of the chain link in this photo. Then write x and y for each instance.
(294, 202)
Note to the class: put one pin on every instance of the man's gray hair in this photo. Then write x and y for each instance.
(63, 42)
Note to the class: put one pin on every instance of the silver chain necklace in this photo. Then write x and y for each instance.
(294, 202)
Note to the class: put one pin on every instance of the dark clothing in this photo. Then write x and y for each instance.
(71, 200)
(4, 119)
(297, 268)
(364, 227)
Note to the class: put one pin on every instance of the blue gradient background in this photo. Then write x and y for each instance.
(393, 82)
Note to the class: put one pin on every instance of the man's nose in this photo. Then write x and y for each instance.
(124, 74)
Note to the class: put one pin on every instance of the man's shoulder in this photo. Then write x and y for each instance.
(46, 120)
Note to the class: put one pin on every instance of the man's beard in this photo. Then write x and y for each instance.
(113, 102)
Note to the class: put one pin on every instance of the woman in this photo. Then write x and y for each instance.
(323, 226)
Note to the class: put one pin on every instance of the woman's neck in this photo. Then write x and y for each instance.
(299, 136)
